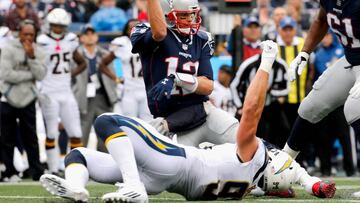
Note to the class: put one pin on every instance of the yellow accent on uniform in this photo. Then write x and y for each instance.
(286, 165)
(157, 143)
(50, 143)
(73, 164)
(119, 134)
(76, 145)
(289, 53)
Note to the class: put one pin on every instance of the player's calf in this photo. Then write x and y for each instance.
(108, 128)
(52, 155)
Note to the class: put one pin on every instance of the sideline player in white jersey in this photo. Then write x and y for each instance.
(133, 101)
(221, 96)
(149, 163)
(58, 100)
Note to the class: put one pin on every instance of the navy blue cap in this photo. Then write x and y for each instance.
(87, 27)
(288, 22)
(251, 20)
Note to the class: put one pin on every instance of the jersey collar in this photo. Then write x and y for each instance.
(179, 40)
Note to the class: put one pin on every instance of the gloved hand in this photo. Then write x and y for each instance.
(162, 89)
(298, 64)
(268, 55)
(355, 91)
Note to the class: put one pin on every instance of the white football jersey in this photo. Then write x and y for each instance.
(131, 64)
(202, 174)
(222, 98)
(59, 54)
(197, 174)
(218, 173)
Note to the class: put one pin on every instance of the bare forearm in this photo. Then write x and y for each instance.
(255, 99)
(205, 86)
(317, 32)
(157, 20)
(252, 110)
(80, 61)
(104, 66)
(80, 68)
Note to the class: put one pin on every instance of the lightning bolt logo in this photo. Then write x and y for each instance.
(151, 140)
(147, 135)
(286, 165)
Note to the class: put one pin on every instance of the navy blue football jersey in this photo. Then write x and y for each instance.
(175, 53)
(343, 17)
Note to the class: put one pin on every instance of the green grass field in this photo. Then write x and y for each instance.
(32, 192)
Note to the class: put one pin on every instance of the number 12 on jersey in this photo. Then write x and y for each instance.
(188, 68)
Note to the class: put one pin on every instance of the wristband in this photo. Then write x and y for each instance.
(265, 66)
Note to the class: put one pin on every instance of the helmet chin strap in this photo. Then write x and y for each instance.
(56, 36)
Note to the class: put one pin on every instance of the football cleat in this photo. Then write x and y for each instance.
(324, 189)
(127, 193)
(59, 187)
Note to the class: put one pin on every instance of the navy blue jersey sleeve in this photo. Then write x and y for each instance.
(205, 68)
(141, 39)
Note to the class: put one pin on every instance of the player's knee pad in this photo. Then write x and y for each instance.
(313, 110)
(106, 126)
(75, 156)
(352, 110)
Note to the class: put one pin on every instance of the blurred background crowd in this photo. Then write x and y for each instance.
(237, 37)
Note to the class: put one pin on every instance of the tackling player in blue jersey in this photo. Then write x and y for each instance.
(177, 71)
(340, 83)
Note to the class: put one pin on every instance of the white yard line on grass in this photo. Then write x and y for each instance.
(178, 199)
(38, 183)
(53, 197)
(342, 178)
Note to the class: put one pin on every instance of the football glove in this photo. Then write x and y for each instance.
(268, 55)
(324, 189)
(298, 65)
(162, 89)
(186, 81)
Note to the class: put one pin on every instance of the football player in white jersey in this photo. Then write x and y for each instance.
(58, 100)
(221, 96)
(133, 102)
(147, 162)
